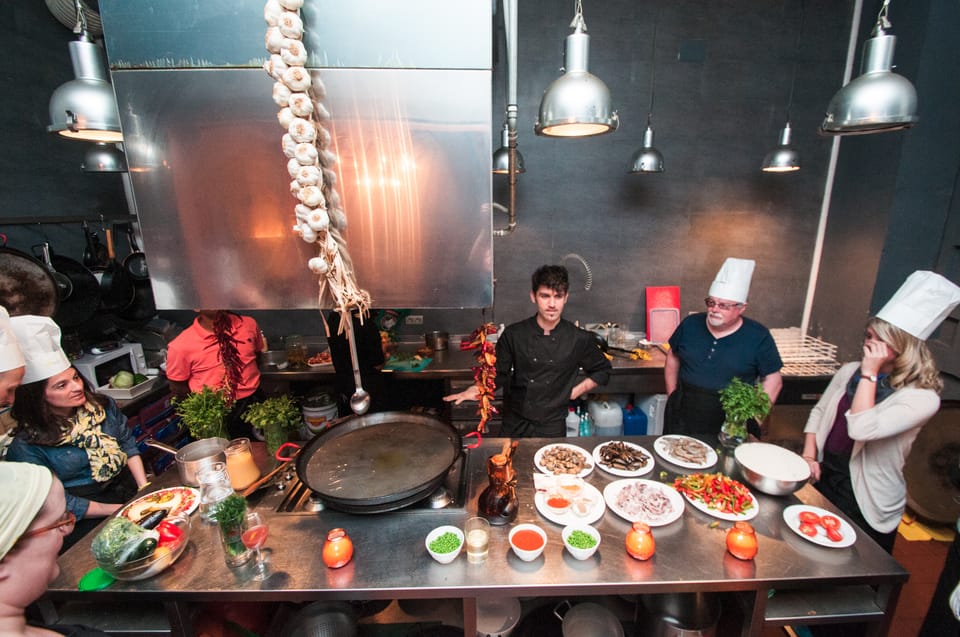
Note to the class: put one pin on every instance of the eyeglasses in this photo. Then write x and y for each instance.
(68, 519)
(711, 303)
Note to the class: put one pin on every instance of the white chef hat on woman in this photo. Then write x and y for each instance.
(23, 490)
(921, 303)
(10, 355)
(39, 339)
(733, 280)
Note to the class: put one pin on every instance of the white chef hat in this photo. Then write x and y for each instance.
(921, 303)
(10, 355)
(23, 490)
(733, 280)
(39, 339)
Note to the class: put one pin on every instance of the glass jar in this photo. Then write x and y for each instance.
(337, 549)
(241, 467)
(498, 503)
(742, 541)
(296, 351)
(235, 553)
(640, 543)
(214, 482)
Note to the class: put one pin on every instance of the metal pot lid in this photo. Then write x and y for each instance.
(379, 459)
(26, 286)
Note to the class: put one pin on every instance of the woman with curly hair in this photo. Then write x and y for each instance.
(81, 436)
(860, 432)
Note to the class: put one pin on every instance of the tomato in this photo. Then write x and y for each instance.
(640, 543)
(830, 522)
(809, 517)
(742, 541)
(834, 534)
(809, 529)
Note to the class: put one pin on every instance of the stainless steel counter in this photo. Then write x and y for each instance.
(812, 583)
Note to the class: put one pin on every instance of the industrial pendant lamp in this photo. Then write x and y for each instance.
(648, 159)
(104, 158)
(879, 100)
(501, 156)
(784, 158)
(577, 104)
(85, 108)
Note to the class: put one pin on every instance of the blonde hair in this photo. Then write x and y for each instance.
(914, 364)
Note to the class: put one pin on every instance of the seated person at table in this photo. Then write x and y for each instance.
(860, 432)
(82, 437)
(33, 523)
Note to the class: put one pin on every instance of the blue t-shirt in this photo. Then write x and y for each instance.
(710, 363)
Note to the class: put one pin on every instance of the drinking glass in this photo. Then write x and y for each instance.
(477, 534)
(254, 537)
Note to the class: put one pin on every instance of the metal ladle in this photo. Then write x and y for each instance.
(360, 401)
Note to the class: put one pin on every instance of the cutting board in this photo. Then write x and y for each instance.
(407, 365)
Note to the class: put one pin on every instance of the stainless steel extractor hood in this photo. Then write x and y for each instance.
(409, 91)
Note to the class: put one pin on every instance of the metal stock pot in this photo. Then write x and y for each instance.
(194, 456)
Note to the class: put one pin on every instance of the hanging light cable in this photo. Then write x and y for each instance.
(648, 159)
(576, 104)
(514, 160)
(784, 158)
(879, 100)
(85, 108)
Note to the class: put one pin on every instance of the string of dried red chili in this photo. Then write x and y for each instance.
(229, 356)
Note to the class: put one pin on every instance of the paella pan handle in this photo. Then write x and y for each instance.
(278, 455)
(476, 444)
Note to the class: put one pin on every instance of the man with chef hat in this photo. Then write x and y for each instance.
(861, 430)
(709, 349)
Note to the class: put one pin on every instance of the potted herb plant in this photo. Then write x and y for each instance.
(276, 417)
(203, 413)
(741, 401)
(229, 514)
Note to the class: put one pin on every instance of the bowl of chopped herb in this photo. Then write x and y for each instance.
(582, 540)
(444, 543)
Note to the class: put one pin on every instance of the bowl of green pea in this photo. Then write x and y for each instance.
(581, 540)
(444, 543)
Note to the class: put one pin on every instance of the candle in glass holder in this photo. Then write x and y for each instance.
(240, 465)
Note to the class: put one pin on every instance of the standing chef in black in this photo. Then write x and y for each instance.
(538, 360)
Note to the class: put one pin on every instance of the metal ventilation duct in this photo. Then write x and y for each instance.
(409, 92)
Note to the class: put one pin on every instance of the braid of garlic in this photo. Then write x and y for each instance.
(306, 144)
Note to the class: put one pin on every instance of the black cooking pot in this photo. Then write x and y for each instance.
(379, 462)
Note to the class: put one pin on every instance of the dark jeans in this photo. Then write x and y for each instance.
(940, 621)
(119, 490)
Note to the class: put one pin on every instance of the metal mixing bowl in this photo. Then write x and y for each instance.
(770, 468)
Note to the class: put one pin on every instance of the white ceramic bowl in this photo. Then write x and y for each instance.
(444, 558)
(525, 554)
(578, 553)
(557, 503)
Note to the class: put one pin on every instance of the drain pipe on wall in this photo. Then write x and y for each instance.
(828, 183)
(510, 27)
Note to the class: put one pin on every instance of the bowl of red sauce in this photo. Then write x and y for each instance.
(558, 502)
(527, 541)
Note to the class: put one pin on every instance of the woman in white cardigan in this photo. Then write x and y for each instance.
(860, 432)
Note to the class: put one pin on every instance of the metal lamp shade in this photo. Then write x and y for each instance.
(784, 158)
(576, 104)
(501, 156)
(877, 101)
(648, 159)
(85, 108)
(104, 158)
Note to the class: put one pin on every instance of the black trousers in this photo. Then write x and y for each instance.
(119, 490)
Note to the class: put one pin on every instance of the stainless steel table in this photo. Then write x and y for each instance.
(812, 584)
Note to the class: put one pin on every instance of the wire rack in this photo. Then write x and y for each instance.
(804, 355)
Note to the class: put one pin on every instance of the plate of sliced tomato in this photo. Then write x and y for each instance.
(819, 526)
(717, 495)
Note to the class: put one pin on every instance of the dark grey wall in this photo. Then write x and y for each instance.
(715, 114)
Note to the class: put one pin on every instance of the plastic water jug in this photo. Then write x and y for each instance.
(634, 421)
(607, 418)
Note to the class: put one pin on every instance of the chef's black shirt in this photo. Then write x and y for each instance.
(537, 371)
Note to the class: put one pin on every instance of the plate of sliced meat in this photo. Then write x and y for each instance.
(623, 459)
(685, 452)
(637, 500)
(561, 458)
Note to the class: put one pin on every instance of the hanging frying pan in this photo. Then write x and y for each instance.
(80, 296)
(135, 263)
(26, 286)
(116, 288)
(379, 462)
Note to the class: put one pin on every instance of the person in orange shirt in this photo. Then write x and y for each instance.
(219, 350)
